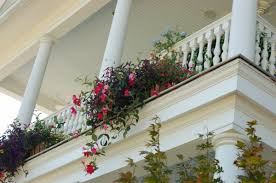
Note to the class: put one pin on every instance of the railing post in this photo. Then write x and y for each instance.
(243, 29)
(34, 84)
(115, 44)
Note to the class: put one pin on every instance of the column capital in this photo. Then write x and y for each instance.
(47, 39)
(228, 138)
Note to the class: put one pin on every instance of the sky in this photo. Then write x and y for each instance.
(8, 111)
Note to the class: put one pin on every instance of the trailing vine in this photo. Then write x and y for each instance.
(17, 144)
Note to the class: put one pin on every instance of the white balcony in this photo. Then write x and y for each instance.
(224, 94)
(202, 50)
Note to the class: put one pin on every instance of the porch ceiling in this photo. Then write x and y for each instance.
(79, 52)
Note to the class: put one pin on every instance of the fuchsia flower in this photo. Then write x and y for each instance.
(86, 154)
(99, 88)
(126, 92)
(94, 150)
(105, 88)
(73, 111)
(76, 100)
(103, 97)
(131, 79)
(90, 169)
(105, 126)
(100, 116)
(168, 85)
(154, 92)
(104, 111)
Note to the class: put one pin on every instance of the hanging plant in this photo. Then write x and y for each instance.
(112, 104)
(17, 144)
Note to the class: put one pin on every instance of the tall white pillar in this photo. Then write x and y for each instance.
(226, 152)
(115, 44)
(243, 28)
(35, 80)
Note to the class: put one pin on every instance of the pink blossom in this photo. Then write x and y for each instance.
(94, 150)
(76, 100)
(98, 88)
(131, 79)
(126, 92)
(73, 111)
(154, 92)
(86, 154)
(168, 85)
(105, 88)
(103, 97)
(104, 111)
(100, 116)
(105, 126)
(90, 169)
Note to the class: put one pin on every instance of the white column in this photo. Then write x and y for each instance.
(243, 28)
(226, 152)
(33, 87)
(115, 43)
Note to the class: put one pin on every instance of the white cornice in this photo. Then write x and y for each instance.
(216, 101)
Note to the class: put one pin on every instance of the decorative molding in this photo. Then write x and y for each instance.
(209, 103)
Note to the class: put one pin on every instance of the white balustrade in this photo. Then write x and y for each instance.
(265, 46)
(72, 123)
(206, 47)
(201, 50)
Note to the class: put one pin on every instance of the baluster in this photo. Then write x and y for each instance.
(208, 55)
(257, 48)
(272, 60)
(185, 49)
(69, 116)
(75, 123)
(83, 123)
(265, 55)
(218, 33)
(79, 123)
(199, 63)
(226, 29)
(192, 61)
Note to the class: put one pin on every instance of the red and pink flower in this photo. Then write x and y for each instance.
(76, 100)
(99, 88)
(103, 97)
(105, 126)
(90, 169)
(104, 111)
(94, 150)
(100, 116)
(73, 111)
(126, 92)
(86, 154)
(105, 89)
(154, 92)
(131, 79)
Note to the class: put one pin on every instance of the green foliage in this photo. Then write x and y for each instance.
(250, 158)
(17, 144)
(129, 176)
(204, 167)
(113, 102)
(155, 159)
(168, 40)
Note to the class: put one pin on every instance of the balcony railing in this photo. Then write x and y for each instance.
(202, 50)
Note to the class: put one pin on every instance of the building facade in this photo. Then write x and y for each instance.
(45, 45)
